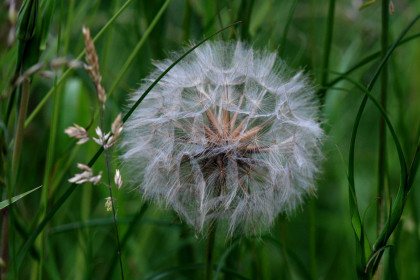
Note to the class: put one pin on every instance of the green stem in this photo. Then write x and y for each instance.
(186, 24)
(19, 132)
(63, 198)
(283, 242)
(5, 225)
(211, 235)
(312, 238)
(286, 27)
(50, 159)
(382, 127)
(15, 167)
(133, 224)
(108, 163)
(137, 48)
(327, 49)
(67, 73)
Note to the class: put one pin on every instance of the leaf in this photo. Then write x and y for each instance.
(47, 7)
(7, 202)
(364, 5)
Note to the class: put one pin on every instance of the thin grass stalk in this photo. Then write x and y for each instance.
(364, 61)
(49, 163)
(5, 246)
(286, 27)
(107, 160)
(219, 16)
(208, 262)
(405, 182)
(397, 208)
(133, 224)
(134, 53)
(313, 36)
(67, 73)
(382, 129)
(283, 249)
(256, 271)
(186, 23)
(82, 260)
(246, 9)
(327, 49)
(109, 39)
(19, 131)
(371, 257)
(63, 198)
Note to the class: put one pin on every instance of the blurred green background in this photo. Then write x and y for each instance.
(317, 242)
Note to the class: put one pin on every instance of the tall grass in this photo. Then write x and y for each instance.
(363, 65)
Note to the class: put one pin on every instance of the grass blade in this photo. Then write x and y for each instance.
(7, 202)
(72, 187)
(67, 73)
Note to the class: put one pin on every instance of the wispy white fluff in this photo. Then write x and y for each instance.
(227, 134)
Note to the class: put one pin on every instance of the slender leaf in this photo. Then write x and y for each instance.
(72, 187)
(7, 202)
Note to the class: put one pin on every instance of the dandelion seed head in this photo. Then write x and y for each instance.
(228, 134)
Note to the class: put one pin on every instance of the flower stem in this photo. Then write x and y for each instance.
(381, 209)
(111, 196)
(19, 132)
(327, 49)
(211, 234)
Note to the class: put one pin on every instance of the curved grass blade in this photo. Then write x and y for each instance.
(7, 202)
(355, 215)
(286, 27)
(360, 112)
(396, 212)
(138, 47)
(414, 166)
(362, 63)
(398, 146)
(68, 71)
(72, 187)
(223, 258)
(327, 47)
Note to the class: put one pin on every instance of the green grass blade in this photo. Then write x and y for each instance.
(7, 202)
(414, 167)
(356, 221)
(363, 104)
(136, 50)
(68, 71)
(72, 187)
(286, 27)
(327, 47)
(133, 224)
(364, 61)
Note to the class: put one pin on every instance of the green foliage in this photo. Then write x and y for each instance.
(334, 237)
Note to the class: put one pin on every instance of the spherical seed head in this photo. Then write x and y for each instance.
(228, 134)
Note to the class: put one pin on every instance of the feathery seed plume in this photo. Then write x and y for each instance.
(228, 134)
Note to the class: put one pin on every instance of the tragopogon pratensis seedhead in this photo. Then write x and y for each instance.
(228, 134)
